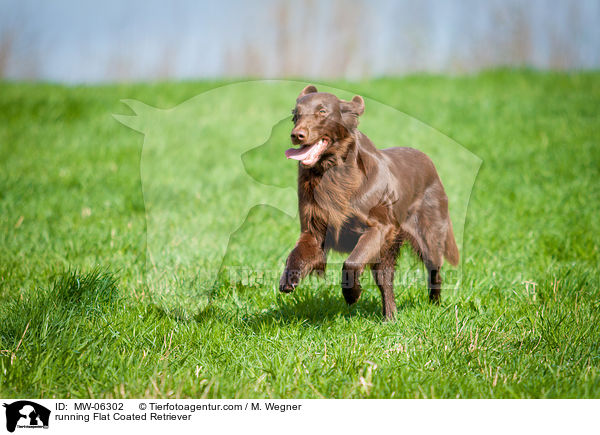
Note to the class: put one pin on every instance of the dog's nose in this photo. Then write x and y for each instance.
(298, 134)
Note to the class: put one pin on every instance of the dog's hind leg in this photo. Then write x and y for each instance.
(427, 231)
(434, 283)
(433, 264)
(383, 273)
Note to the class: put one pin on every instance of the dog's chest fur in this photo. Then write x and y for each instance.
(326, 200)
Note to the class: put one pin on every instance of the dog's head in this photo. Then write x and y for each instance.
(321, 121)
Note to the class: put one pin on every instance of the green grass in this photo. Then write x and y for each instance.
(79, 316)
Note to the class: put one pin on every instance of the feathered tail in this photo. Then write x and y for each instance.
(451, 251)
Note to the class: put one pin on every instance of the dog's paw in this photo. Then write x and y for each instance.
(289, 280)
(351, 288)
(351, 294)
(286, 288)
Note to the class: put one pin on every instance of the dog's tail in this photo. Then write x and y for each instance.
(451, 251)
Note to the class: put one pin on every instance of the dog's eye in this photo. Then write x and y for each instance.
(322, 111)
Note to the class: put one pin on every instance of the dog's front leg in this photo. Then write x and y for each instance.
(367, 250)
(307, 255)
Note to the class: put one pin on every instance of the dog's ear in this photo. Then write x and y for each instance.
(310, 89)
(356, 106)
(351, 110)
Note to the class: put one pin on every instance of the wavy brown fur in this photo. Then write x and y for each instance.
(365, 201)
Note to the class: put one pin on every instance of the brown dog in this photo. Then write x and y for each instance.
(358, 199)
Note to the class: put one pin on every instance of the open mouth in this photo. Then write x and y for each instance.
(308, 154)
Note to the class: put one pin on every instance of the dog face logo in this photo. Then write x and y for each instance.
(26, 414)
(232, 183)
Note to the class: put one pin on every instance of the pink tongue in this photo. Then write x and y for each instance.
(298, 153)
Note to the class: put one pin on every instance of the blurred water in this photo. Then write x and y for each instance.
(71, 41)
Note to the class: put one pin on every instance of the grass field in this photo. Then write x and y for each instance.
(80, 318)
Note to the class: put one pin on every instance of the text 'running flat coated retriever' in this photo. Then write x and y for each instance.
(355, 198)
